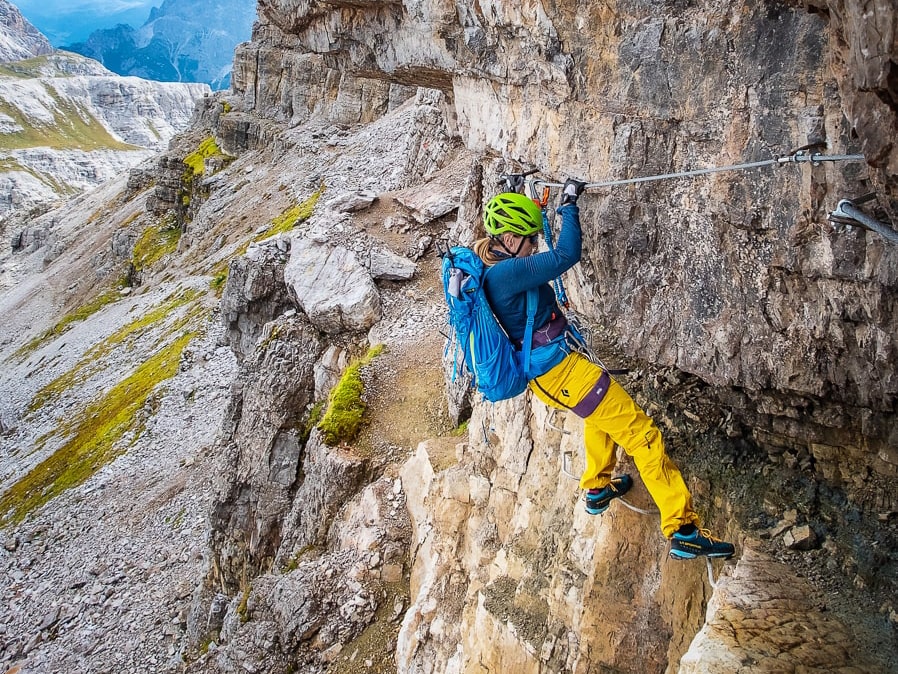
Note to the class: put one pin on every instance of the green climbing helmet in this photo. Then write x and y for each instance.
(512, 212)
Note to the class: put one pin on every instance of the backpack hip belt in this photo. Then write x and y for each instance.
(547, 333)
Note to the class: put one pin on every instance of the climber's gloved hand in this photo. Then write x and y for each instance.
(571, 191)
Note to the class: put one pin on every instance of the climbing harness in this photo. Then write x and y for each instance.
(846, 213)
(797, 157)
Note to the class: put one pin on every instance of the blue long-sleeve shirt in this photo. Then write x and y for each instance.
(508, 281)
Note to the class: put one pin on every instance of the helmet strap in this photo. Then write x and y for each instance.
(506, 251)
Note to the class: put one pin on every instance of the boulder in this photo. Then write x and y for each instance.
(387, 266)
(331, 286)
(766, 615)
(800, 538)
(351, 202)
(438, 197)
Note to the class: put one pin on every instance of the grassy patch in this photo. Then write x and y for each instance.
(305, 552)
(346, 409)
(73, 128)
(95, 436)
(196, 160)
(9, 165)
(176, 521)
(219, 278)
(130, 219)
(154, 130)
(461, 430)
(17, 71)
(91, 362)
(312, 420)
(82, 313)
(27, 69)
(292, 216)
(243, 606)
(156, 242)
(58, 64)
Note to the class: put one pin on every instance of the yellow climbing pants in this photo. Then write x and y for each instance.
(617, 419)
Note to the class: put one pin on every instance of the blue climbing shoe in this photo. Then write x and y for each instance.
(690, 542)
(598, 500)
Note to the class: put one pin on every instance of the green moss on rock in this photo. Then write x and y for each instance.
(156, 242)
(346, 410)
(292, 216)
(196, 160)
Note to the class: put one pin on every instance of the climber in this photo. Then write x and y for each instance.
(570, 381)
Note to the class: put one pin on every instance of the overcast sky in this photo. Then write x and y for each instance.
(68, 21)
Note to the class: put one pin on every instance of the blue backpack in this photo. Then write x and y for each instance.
(499, 370)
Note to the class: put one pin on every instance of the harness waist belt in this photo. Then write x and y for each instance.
(547, 332)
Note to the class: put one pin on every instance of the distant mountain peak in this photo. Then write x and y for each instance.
(18, 38)
(181, 41)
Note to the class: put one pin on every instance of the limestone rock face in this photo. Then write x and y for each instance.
(264, 443)
(730, 277)
(332, 287)
(866, 77)
(254, 294)
(735, 285)
(72, 125)
(758, 621)
(322, 597)
(330, 477)
(511, 573)
(736, 278)
(19, 39)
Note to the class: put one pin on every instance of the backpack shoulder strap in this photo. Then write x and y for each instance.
(528, 332)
